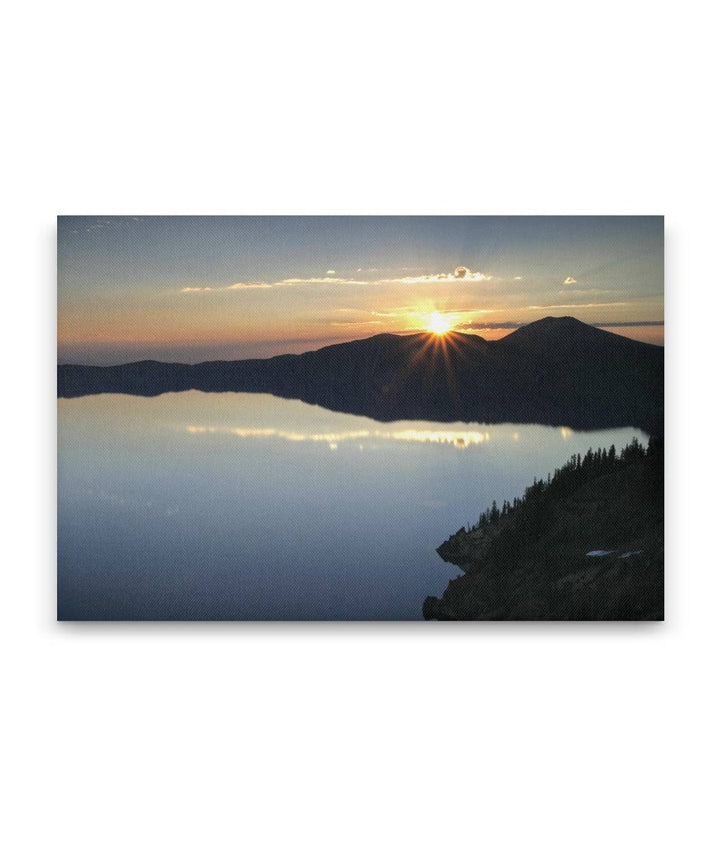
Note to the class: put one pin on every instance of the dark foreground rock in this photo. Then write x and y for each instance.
(531, 562)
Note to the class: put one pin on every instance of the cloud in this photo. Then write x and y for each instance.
(488, 325)
(330, 280)
(517, 277)
(359, 321)
(515, 325)
(241, 286)
(569, 281)
(236, 286)
(100, 223)
(461, 273)
(574, 305)
(630, 324)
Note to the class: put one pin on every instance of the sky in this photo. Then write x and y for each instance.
(198, 288)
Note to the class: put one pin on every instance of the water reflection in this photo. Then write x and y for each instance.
(240, 505)
(459, 439)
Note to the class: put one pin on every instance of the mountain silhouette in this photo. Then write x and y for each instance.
(555, 371)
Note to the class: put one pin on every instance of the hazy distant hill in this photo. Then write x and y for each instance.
(555, 371)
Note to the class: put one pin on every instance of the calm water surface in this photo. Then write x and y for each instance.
(246, 506)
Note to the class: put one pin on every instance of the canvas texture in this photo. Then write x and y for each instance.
(360, 418)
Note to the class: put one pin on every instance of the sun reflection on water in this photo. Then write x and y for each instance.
(459, 439)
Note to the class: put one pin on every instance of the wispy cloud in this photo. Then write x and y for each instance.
(321, 280)
(460, 274)
(236, 286)
(98, 223)
(488, 325)
(630, 324)
(241, 286)
(575, 305)
(515, 325)
(357, 323)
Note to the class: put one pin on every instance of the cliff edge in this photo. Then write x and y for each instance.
(586, 545)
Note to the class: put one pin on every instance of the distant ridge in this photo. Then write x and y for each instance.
(555, 371)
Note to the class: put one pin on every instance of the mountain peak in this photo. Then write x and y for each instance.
(565, 337)
(553, 330)
(557, 322)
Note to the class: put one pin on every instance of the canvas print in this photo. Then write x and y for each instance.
(360, 418)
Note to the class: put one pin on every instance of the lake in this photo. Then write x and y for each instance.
(247, 506)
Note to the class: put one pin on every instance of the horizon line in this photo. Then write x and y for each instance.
(324, 342)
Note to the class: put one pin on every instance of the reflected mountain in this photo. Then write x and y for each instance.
(556, 371)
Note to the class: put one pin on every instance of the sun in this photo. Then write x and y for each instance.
(439, 324)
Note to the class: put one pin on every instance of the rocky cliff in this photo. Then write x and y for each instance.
(588, 545)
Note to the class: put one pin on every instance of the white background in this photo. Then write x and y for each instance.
(358, 739)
